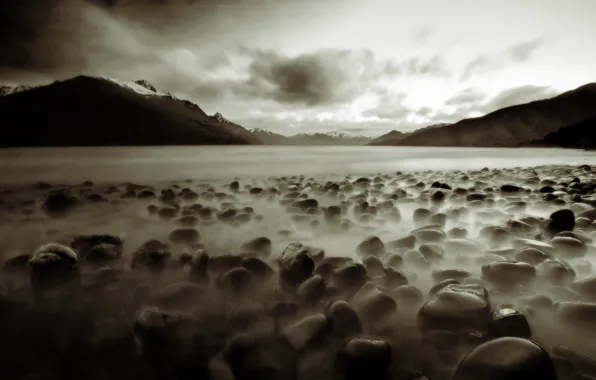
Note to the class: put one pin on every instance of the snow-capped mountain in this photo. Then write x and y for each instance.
(95, 111)
(327, 138)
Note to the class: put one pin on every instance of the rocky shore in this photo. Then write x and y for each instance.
(418, 275)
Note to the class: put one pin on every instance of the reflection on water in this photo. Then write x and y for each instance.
(164, 163)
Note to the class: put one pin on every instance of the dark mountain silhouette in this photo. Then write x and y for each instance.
(580, 135)
(270, 138)
(393, 137)
(92, 111)
(328, 138)
(511, 126)
(389, 138)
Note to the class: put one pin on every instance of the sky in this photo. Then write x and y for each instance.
(363, 67)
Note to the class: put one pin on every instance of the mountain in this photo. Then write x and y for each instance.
(388, 139)
(270, 138)
(218, 118)
(580, 135)
(393, 137)
(512, 126)
(96, 111)
(328, 138)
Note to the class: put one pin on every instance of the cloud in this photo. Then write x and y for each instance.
(518, 53)
(518, 95)
(471, 102)
(425, 66)
(319, 78)
(389, 106)
(422, 35)
(522, 52)
(466, 97)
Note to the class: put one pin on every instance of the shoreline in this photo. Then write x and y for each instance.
(280, 269)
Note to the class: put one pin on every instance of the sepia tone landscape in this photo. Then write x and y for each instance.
(268, 190)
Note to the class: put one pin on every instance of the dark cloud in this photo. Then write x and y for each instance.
(522, 52)
(469, 96)
(323, 77)
(77, 35)
(425, 66)
(515, 54)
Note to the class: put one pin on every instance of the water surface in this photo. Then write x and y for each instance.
(203, 162)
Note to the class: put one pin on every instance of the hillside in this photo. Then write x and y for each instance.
(388, 139)
(512, 126)
(95, 111)
(270, 138)
(580, 135)
(391, 138)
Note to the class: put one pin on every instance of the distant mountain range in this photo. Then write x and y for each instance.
(511, 126)
(329, 138)
(98, 111)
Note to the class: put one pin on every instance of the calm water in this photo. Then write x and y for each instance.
(165, 163)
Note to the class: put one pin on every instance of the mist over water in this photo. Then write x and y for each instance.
(175, 163)
(466, 208)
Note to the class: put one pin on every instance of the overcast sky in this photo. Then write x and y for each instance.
(360, 66)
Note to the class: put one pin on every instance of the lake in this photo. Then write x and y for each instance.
(203, 162)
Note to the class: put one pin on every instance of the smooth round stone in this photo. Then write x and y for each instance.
(532, 256)
(446, 274)
(576, 235)
(429, 235)
(432, 252)
(455, 307)
(504, 251)
(405, 242)
(508, 273)
(508, 321)
(372, 245)
(576, 314)
(506, 358)
(536, 301)
(561, 220)
(365, 358)
(569, 247)
(582, 222)
(457, 233)
(580, 361)
(532, 243)
(586, 287)
(578, 208)
(519, 227)
(462, 246)
(562, 293)
(307, 330)
(590, 214)
(489, 258)
(394, 261)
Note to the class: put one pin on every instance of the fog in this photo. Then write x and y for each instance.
(186, 251)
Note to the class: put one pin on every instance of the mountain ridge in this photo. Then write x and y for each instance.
(514, 125)
(317, 138)
(98, 111)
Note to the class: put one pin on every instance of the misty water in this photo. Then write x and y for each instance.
(475, 216)
(176, 163)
